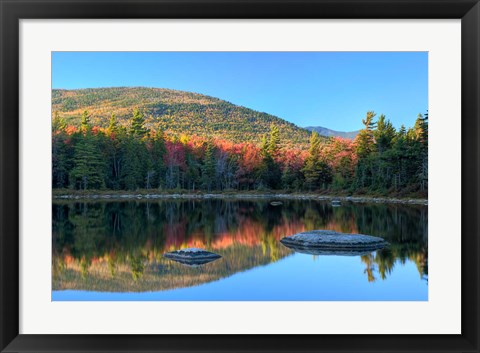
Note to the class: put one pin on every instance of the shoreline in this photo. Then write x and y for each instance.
(238, 196)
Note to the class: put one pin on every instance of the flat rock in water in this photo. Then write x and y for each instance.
(328, 242)
(336, 203)
(192, 256)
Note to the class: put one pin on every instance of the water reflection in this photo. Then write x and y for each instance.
(118, 246)
(330, 252)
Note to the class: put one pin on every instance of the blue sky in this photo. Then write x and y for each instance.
(329, 89)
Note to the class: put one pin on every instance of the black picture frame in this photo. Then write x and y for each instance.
(14, 10)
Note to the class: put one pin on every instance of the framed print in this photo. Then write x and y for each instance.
(236, 176)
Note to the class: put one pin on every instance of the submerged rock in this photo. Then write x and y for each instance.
(328, 242)
(192, 256)
(336, 203)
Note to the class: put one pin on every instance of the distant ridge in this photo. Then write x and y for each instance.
(323, 131)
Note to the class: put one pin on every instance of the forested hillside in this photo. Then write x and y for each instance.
(127, 154)
(173, 112)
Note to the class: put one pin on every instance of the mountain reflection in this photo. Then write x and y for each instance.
(118, 246)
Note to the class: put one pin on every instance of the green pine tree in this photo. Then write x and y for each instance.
(113, 124)
(365, 138)
(274, 140)
(85, 123)
(208, 168)
(384, 134)
(88, 170)
(316, 170)
(138, 128)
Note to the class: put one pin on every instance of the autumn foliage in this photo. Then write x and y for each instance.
(133, 157)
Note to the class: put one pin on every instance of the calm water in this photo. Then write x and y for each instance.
(113, 251)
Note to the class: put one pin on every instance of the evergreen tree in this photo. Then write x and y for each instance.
(113, 125)
(115, 152)
(156, 153)
(58, 123)
(134, 165)
(208, 168)
(288, 178)
(88, 165)
(85, 124)
(400, 149)
(421, 129)
(193, 173)
(60, 160)
(316, 170)
(269, 171)
(59, 152)
(365, 139)
(274, 140)
(384, 134)
(310, 170)
(264, 146)
(138, 124)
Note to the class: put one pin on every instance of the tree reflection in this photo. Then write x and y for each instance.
(137, 266)
(370, 267)
(118, 246)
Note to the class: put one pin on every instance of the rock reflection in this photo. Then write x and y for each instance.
(192, 257)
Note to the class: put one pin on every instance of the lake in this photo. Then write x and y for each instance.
(109, 250)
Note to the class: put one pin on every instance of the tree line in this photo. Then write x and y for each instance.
(380, 160)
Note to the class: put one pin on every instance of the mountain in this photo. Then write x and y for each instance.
(174, 112)
(323, 131)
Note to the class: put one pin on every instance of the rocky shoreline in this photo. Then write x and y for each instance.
(243, 196)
